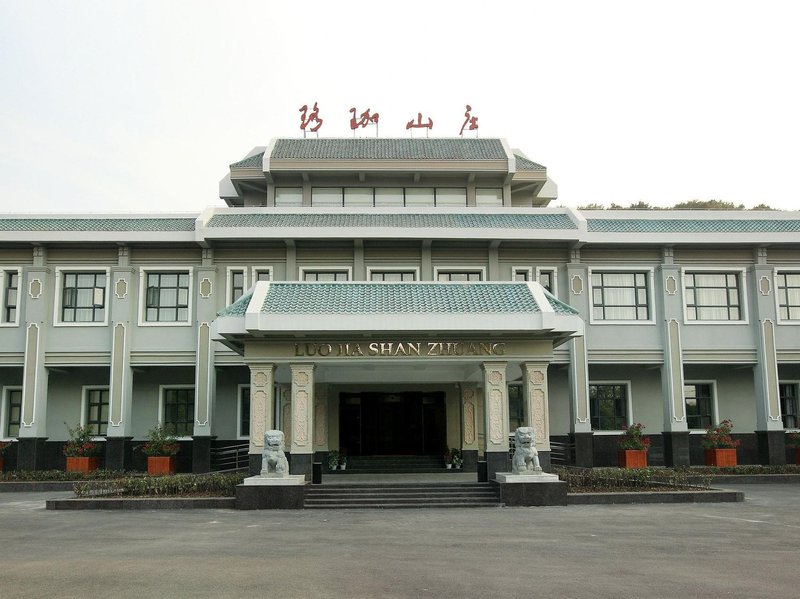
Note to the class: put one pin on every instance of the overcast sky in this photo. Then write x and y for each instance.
(140, 106)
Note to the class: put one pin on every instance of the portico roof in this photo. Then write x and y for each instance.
(299, 309)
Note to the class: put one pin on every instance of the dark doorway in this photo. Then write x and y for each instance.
(408, 423)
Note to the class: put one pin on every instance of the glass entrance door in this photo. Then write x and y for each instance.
(407, 423)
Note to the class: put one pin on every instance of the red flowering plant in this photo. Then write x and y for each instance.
(81, 445)
(160, 442)
(719, 437)
(633, 438)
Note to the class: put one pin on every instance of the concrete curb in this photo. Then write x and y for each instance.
(711, 496)
(143, 503)
(753, 479)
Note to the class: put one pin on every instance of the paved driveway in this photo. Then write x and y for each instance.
(750, 549)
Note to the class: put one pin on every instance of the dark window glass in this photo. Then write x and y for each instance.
(244, 413)
(699, 405)
(10, 294)
(237, 285)
(14, 412)
(324, 276)
(392, 275)
(179, 411)
(83, 297)
(262, 275)
(515, 409)
(460, 276)
(97, 411)
(788, 395)
(546, 278)
(521, 275)
(609, 407)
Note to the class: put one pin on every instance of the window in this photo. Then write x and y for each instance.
(788, 395)
(244, 411)
(167, 297)
(547, 278)
(326, 196)
(489, 197)
(789, 295)
(459, 275)
(262, 274)
(451, 196)
(619, 296)
(521, 274)
(10, 281)
(179, 410)
(13, 412)
(288, 196)
(609, 406)
(420, 196)
(325, 275)
(236, 284)
(83, 297)
(395, 276)
(96, 410)
(389, 196)
(713, 296)
(699, 405)
(358, 196)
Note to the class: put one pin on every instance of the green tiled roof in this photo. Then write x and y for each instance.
(523, 164)
(254, 161)
(97, 224)
(559, 307)
(445, 220)
(392, 298)
(237, 308)
(679, 225)
(388, 149)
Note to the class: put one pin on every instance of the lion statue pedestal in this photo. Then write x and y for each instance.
(274, 488)
(527, 484)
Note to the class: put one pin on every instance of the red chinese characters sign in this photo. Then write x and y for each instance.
(311, 121)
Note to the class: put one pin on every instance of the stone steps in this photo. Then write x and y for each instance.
(411, 495)
(394, 465)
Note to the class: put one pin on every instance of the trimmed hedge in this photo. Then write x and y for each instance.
(741, 470)
(179, 485)
(62, 475)
(608, 480)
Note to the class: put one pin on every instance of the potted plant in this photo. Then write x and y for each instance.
(343, 461)
(633, 446)
(3, 446)
(720, 448)
(333, 459)
(455, 458)
(83, 453)
(160, 449)
(792, 440)
(448, 459)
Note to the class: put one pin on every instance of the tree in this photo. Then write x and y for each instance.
(707, 205)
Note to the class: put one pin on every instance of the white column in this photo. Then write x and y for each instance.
(535, 402)
(261, 402)
(302, 447)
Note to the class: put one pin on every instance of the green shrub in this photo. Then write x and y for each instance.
(59, 475)
(609, 480)
(180, 485)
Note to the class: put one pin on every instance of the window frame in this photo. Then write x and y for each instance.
(143, 273)
(302, 270)
(240, 389)
(502, 197)
(554, 270)
(741, 274)
(58, 300)
(400, 269)
(162, 402)
(796, 385)
(528, 270)
(459, 269)
(85, 389)
(714, 406)
(628, 407)
(4, 272)
(254, 272)
(229, 273)
(4, 411)
(775, 275)
(649, 273)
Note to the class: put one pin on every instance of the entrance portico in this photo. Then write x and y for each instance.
(396, 368)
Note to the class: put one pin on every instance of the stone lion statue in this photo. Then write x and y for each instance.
(273, 460)
(526, 458)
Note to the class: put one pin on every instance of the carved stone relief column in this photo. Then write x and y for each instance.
(302, 447)
(261, 417)
(536, 403)
(496, 416)
(469, 425)
(321, 423)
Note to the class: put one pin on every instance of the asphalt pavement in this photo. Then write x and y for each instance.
(749, 549)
